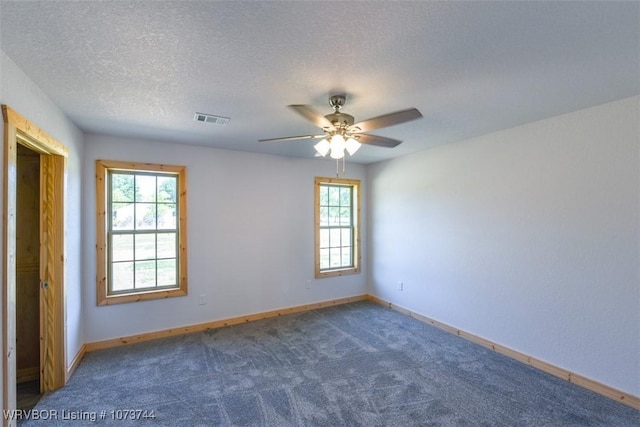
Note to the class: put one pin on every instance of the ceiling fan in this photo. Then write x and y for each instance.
(342, 134)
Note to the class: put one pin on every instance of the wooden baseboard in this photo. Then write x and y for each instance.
(116, 342)
(75, 362)
(589, 384)
(27, 374)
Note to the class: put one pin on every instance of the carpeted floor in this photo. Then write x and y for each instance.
(28, 394)
(352, 365)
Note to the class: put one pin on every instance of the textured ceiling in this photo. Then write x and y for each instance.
(143, 68)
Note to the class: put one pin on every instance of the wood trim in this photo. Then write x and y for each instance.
(27, 374)
(52, 271)
(101, 238)
(36, 137)
(19, 129)
(355, 183)
(132, 339)
(9, 187)
(27, 268)
(76, 361)
(182, 224)
(584, 382)
(133, 166)
(141, 296)
(55, 235)
(102, 168)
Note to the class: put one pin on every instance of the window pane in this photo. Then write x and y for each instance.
(145, 246)
(324, 195)
(122, 247)
(324, 238)
(334, 196)
(167, 189)
(122, 276)
(345, 216)
(122, 216)
(122, 187)
(324, 216)
(145, 274)
(166, 245)
(167, 272)
(167, 216)
(346, 237)
(324, 258)
(146, 186)
(334, 257)
(345, 196)
(346, 257)
(334, 216)
(334, 238)
(145, 216)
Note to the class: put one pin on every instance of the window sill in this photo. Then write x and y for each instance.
(337, 272)
(142, 296)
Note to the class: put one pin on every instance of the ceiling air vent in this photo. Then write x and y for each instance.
(208, 118)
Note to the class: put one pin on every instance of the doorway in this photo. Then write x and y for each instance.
(27, 277)
(21, 134)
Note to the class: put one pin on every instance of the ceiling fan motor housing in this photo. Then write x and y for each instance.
(340, 120)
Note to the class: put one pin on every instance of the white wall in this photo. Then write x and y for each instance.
(19, 92)
(250, 237)
(527, 237)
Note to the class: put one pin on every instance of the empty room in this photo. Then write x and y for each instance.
(337, 213)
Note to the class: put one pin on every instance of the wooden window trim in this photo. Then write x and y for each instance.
(102, 168)
(355, 183)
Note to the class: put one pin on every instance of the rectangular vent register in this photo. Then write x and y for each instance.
(209, 118)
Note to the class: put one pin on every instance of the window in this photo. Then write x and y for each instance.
(337, 230)
(141, 234)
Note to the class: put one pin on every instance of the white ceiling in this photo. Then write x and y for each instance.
(143, 68)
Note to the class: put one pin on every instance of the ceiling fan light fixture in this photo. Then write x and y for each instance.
(352, 145)
(336, 154)
(322, 147)
(337, 142)
(338, 146)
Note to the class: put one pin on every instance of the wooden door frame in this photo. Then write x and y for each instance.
(17, 129)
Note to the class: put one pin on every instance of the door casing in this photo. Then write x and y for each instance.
(18, 130)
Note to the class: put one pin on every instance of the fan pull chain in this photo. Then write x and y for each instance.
(344, 167)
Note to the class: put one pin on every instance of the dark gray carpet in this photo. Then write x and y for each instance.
(352, 365)
(28, 394)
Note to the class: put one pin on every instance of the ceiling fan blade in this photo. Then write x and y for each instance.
(380, 141)
(312, 115)
(291, 138)
(387, 120)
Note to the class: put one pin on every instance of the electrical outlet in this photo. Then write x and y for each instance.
(203, 299)
(400, 286)
(307, 284)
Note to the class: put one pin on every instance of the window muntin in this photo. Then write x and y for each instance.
(337, 230)
(142, 231)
